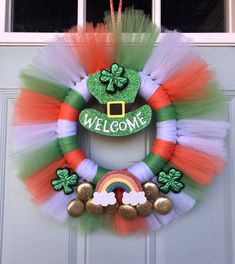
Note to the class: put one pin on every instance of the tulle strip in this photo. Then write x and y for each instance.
(170, 55)
(81, 88)
(56, 206)
(163, 148)
(40, 85)
(89, 224)
(94, 46)
(166, 130)
(202, 128)
(141, 171)
(182, 203)
(203, 135)
(211, 106)
(30, 137)
(66, 128)
(34, 160)
(214, 147)
(147, 87)
(197, 165)
(135, 38)
(39, 183)
(153, 223)
(87, 169)
(125, 227)
(58, 63)
(34, 108)
(190, 83)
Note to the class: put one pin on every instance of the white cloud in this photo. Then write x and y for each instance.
(104, 198)
(134, 198)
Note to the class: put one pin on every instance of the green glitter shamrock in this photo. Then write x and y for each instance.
(114, 78)
(65, 181)
(170, 181)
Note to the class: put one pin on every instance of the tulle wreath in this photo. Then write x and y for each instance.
(176, 82)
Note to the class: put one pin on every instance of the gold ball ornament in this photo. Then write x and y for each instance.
(144, 209)
(111, 209)
(85, 191)
(127, 211)
(163, 205)
(75, 208)
(151, 190)
(93, 209)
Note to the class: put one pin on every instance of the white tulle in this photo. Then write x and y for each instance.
(141, 171)
(153, 223)
(166, 130)
(57, 62)
(202, 128)
(87, 170)
(56, 206)
(81, 88)
(203, 135)
(66, 128)
(172, 52)
(182, 203)
(30, 137)
(213, 147)
(147, 87)
(165, 219)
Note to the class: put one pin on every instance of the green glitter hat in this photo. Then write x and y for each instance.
(115, 84)
(116, 88)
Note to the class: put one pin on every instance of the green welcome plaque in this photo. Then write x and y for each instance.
(133, 122)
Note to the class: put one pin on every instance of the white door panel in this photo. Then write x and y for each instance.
(205, 235)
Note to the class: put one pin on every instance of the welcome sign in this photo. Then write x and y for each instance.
(133, 122)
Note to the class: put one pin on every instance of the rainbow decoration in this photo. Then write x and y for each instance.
(118, 179)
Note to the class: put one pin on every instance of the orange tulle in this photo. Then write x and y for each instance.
(125, 227)
(163, 148)
(67, 112)
(199, 166)
(159, 99)
(34, 108)
(190, 82)
(75, 157)
(93, 45)
(39, 184)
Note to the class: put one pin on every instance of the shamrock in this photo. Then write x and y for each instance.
(65, 181)
(170, 181)
(114, 78)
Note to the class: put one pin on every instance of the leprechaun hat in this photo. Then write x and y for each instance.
(116, 90)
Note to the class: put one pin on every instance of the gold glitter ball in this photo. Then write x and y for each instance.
(111, 209)
(85, 191)
(75, 208)
(151, 190)
(144, 209)
(127, 211)
(93, 209)
(163, 205)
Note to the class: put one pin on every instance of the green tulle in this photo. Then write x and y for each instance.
(212, 107)
(136, 36)
(35, 160)
(44, 87)
(91, 224)
(191, 187)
